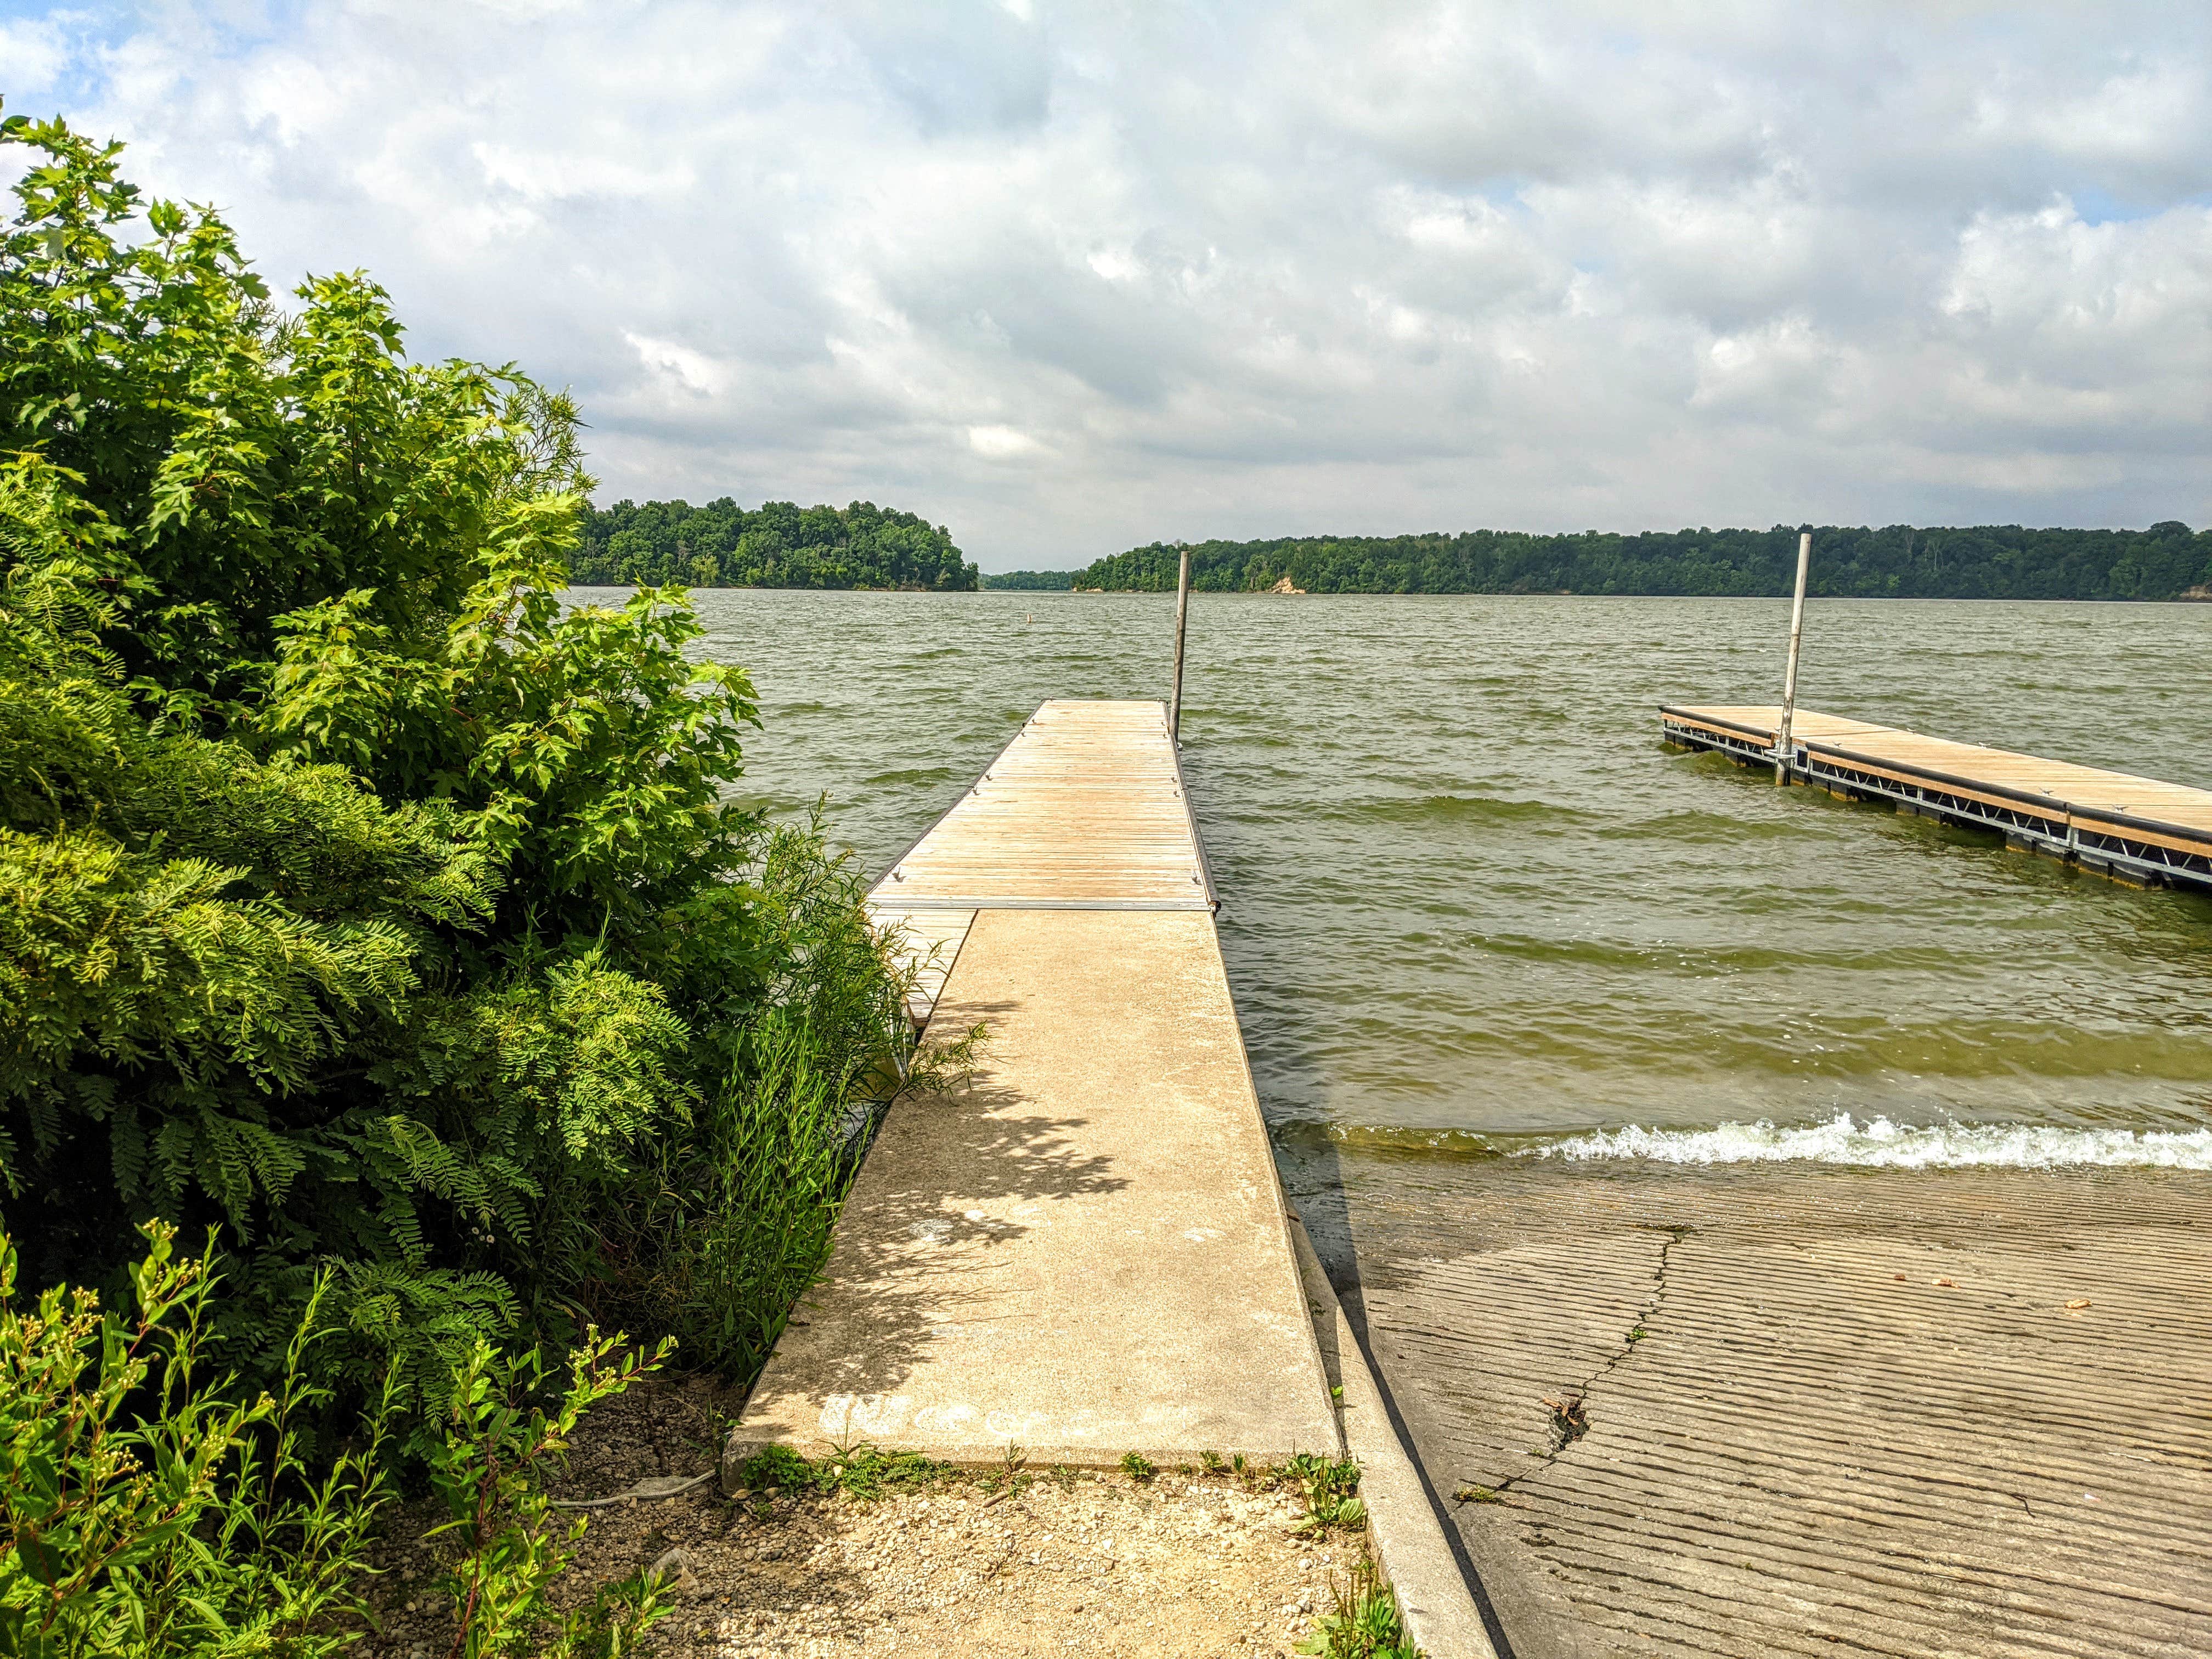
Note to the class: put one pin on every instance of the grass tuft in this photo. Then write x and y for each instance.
(1363, 1621)
(861, 1471)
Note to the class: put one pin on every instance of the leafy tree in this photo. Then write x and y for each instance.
(777, 544)
(364, 901)
(1032, 582)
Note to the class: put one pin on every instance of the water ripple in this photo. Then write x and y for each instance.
(1468, 898)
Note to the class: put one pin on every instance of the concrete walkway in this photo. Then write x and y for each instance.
(1085, 1252)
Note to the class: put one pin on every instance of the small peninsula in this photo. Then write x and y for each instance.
(776, 544)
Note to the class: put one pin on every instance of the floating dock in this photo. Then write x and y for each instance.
(1085, 1252)
(2135, 829)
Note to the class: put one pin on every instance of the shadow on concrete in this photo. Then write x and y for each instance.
(905, 1257)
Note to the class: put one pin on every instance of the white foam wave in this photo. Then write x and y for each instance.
(1883, 1145)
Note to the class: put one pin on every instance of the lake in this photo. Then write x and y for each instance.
(1469, 903)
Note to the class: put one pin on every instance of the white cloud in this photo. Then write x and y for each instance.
(1068, 276)
(678, 365)
(1000, 443)
(33, 54)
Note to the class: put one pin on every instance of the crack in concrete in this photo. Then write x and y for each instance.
(1675, 1235)
(1570, 1410)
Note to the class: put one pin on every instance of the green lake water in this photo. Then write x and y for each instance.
(1470, 905)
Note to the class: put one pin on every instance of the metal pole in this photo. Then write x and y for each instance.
(1182, 609)
(1789, 675)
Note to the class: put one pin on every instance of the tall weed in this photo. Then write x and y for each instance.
(148, 1512)
(488, 1470)
(736, 1219)
(142, 1510)
(1363, 1621)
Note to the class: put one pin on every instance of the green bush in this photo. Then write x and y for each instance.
(367, 906)
(359, 897)
(145, 1511)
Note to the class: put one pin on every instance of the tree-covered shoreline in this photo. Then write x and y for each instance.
(1030, 582)
(2004, 561)
(776, 544)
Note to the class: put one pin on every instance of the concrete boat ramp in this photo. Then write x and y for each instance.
(1085, 1252)
(1961, 1412)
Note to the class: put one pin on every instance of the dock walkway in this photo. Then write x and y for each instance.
(1085, 1253)
(2136, 828)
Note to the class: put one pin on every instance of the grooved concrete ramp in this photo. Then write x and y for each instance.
(1085, 1252)
(1964, 1413)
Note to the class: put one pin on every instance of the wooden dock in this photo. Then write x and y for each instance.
(2134, 829)
(1084, 809)
(1085, 1252)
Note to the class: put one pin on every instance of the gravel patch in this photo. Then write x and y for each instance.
(1060, 1562)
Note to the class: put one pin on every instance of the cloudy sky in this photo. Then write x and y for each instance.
(1068, 277)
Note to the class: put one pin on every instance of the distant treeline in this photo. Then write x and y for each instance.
(1902, 562)
(1034, 582)
(778, 544)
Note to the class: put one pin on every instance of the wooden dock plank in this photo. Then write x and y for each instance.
(1084, 809)
(2077, 785)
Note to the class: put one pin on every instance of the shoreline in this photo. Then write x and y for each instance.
(1825, 599)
